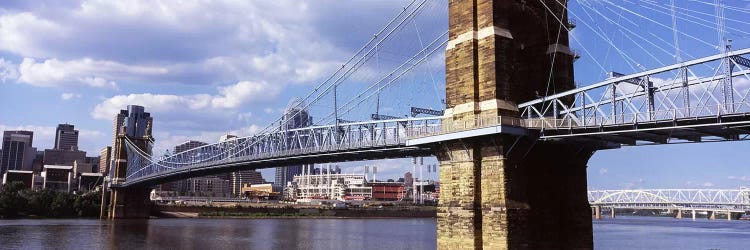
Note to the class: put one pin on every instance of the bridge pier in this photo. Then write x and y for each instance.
(729, 215)
(130, 203)
(693, 215)
(612, 213)
(711, 215)
(679, 214)
(598, 212)
(495, 201)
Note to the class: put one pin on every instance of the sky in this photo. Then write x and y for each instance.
(205, 69)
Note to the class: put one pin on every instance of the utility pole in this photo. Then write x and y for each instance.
(421, 181)
(414, 180)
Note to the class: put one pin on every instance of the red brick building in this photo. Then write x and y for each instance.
(388, 191)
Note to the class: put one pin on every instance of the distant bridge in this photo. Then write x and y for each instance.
(735, 200)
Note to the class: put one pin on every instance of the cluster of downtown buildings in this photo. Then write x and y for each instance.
(66, 168)
(63, 167)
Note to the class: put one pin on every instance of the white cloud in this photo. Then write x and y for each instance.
(707, 184)
(166, 140)
(86, 72)
(234, 95)
(603, 170)
(741, 83)
(104, 43)
(8, 70)
(21, 33)
(244, 116)
(228, 98)
(739, 178)
(68, 96)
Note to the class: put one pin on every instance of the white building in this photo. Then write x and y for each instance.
(330, 186)
(59, 178)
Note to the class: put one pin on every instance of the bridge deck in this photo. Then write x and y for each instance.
(698, 129)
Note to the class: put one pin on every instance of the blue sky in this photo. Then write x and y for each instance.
(204, 70)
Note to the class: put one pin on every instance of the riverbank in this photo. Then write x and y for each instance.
(170, 211)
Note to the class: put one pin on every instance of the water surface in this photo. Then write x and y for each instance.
(279, 233)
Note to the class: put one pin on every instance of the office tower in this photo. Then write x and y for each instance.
(186, 185)
(242, 178)
(295, 116)
(188, 145)
(66, 137)
(133, 122)
(61, 157)
(408, 179)
(105, 159)
(117, 126)
(17, 151)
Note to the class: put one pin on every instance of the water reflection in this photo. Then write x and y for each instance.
(621, 233)
(219, 234)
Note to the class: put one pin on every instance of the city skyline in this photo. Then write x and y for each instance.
(235, 77)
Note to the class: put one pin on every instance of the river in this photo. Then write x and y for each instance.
(621, 233)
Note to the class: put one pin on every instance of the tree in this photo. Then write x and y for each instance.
(40, 202)
(11, 202)
(88, 204)
(62, 205)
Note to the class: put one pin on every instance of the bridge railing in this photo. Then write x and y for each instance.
(667, 93)
(283, 143)
(691, 113)
(448, 125)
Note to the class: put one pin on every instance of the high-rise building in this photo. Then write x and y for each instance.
(17, 151)
(188, 145)
(38, 164)
(63, 157)
(295, 116)
(138, 123)
(187, 185)
(117, 126)
(66, 137)
(240, 178)
(133, 122)
(135, 126)
(65, 152)
(105, 159)
(408, 179)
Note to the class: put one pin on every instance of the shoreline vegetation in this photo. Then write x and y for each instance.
(17, 201)
(20, 202)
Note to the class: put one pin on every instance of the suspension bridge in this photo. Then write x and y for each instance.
(512, 123)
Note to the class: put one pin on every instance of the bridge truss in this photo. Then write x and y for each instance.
(664, 105)
(698, 199)
(347, 141)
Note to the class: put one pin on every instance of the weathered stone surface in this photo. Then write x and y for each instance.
(498, 56)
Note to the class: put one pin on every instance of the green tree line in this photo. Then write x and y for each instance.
(18, 201)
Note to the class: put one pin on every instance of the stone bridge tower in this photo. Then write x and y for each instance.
(134, 125)
(504, 191)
